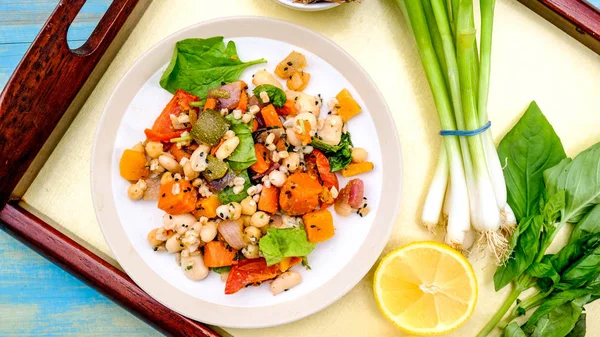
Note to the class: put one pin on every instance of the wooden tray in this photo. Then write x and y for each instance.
(52, 212)
(577, 18)
(40, 100)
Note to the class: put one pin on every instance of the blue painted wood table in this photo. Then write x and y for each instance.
(38, 298)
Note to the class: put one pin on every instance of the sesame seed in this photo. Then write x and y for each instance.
(164, 195)
(289, 63)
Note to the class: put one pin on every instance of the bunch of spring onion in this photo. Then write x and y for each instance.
(468, 189)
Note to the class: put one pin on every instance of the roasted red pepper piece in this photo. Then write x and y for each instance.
(249, 271)
(162, 129)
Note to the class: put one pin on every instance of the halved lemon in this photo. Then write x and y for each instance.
(426, 288)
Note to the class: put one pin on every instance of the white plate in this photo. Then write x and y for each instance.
(320, 6)
(337, 265)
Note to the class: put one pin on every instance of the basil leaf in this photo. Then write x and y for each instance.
(590, 224)
(580, 180)
(276, 96)
(528, 149)
(545, 273)
(513, 330)
(227, 195)
(554, 301)
(523, 255)
(198, 65)
(558, 322)
(580, 327)
(584, 271)
(573, 251)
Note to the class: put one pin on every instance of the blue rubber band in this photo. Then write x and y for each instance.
(466, 133)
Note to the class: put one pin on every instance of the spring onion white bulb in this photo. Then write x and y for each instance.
(435, 195)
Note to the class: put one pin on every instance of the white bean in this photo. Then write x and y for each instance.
(291, 162)
(285, 281)
(331, 133)
(189, 173)
(194, 268)
(208, 232)
(259, 219)
(138, 147)
(182, 222)
(359, 155)
(264, 77)
(169, 163)
(198, 158)
(277, 178)
(250, 251)
(230, 211)
(154, 149)
(306, 116)
(173, 244)
(292, 138)
(227, 148)
(248, 206)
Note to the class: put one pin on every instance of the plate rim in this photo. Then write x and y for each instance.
(296, 308)
(307, 8)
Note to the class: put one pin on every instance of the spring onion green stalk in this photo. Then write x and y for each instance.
(458, 215)
(459, 77)
(181, 139)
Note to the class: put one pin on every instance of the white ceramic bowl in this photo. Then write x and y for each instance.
(320, 6)
(337, 265)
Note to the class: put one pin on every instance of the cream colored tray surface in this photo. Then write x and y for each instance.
(532, 60)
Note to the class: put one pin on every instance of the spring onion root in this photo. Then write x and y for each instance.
(459, 78)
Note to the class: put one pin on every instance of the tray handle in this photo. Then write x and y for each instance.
(46, 82)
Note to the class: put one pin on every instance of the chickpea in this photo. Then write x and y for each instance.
(250, 251)
(359, 155)
(292, 138)
(259, 219)
(154, 242)
(248, 206)
(136, 191)
(166, 178)
(246, 219)
(138, 147)
(252, 234)
(169, 163)
(285, 281)
(292, 162)
(154, 149)
(189, 172)
(208, 232)
(306, 116)
(173, 244)
(194, 268)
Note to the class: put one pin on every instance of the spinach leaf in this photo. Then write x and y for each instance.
(524, 253)
(528, 150)
(580, 327)
(580, 180)
(281, 243)
(198, 65)
(244, 155)
(590, 224)
(339, 155)
(276, 96)
(221, 270)
(583, 271)
(558, 322)
(545, 273)
(227, 195)
(513, 330)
